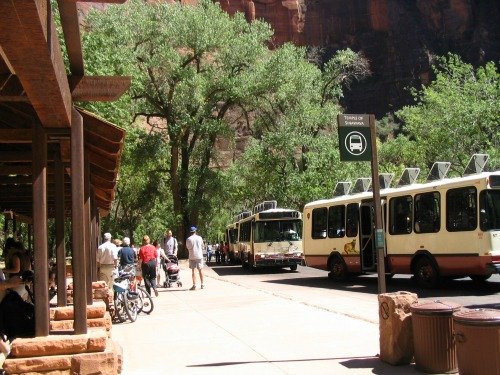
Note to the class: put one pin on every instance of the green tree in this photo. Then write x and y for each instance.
(141, 205)
(456, 115)
(294, 158)
(192, 66)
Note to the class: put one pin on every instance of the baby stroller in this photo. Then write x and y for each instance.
(171, 270)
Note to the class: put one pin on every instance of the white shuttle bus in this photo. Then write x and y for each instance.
(271, 237)
(445, 227)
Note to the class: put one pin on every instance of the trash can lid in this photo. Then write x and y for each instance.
(477, 316)
(435, 308)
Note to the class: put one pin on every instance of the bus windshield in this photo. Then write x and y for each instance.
(490, 210)
(278, 230)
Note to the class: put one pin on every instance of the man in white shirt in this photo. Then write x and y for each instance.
(194, 245)
(107, 260)
(170, 243)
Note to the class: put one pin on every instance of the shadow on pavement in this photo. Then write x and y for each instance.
(350, 362)
(237, 269)
(363, 284)
(377, 366)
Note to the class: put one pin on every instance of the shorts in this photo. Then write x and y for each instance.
(196, 263)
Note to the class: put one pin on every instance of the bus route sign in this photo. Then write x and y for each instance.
(354, 137)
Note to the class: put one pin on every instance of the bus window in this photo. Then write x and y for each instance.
(427, 212)
(352, 219)
(319, 221)
(400, 215)
(278, 230)
(489, 209)
(245, 231)
(336, 221)
(461, 213)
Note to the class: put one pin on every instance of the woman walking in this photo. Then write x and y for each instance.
(147, 258)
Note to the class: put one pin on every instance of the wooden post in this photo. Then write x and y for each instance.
(94, 234)
(59, 223)
(87, 230)
(40, 230)
(77, 222)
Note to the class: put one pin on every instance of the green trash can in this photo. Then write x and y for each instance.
(477, 337)
(435, 351)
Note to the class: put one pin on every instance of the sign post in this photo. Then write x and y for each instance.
(358, 142)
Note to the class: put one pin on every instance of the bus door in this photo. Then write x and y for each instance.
(368, 251)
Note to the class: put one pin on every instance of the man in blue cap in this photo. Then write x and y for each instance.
(194, 244)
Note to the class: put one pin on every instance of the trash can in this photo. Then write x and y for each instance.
(435, 350)
(396, 340)
(477, 337)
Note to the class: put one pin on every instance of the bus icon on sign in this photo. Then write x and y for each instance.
(355, 143)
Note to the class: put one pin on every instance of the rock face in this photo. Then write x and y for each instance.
(399, 38)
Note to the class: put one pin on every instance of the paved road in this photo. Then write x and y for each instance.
(267, 322)
(312, 286)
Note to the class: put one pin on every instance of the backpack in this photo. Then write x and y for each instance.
(17, 316)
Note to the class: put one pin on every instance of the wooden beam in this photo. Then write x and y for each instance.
(30, 43)
(15, 136)
(98, 89)
(11, 89)
(71, 30)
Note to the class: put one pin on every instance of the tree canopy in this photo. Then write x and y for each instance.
(456, 115)
(199, 73)
(200, 76)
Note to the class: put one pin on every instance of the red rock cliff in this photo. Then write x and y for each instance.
(399, 37)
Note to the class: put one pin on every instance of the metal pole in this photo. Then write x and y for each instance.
(379, 232)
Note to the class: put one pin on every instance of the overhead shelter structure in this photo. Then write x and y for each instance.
(56, 160)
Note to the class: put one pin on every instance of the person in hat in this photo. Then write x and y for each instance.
(194, 244)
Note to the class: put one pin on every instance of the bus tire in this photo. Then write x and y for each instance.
(426, 273)
(479, 279)
(293, 267)
(338, 269)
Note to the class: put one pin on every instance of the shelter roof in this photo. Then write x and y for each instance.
(35, 89)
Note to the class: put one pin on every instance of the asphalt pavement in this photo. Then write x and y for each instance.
(229, 328)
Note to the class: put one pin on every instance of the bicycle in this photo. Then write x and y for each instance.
(126, 301)
(146, 304)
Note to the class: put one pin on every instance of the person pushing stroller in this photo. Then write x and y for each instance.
(170, 266)
(170, 244)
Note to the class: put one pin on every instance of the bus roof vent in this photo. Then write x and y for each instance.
(266, 205)
(242, 215)
(342, 188)
(438, 171)
(476, 164)
(361, 185)
(385, 180)
(409, 176)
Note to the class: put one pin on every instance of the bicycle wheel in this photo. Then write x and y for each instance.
(131, 302)
(119, 301)
(147, 301)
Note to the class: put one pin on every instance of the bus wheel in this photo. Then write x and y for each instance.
(479, 278)
(293, 267)
(338, 269)
(426, 273)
